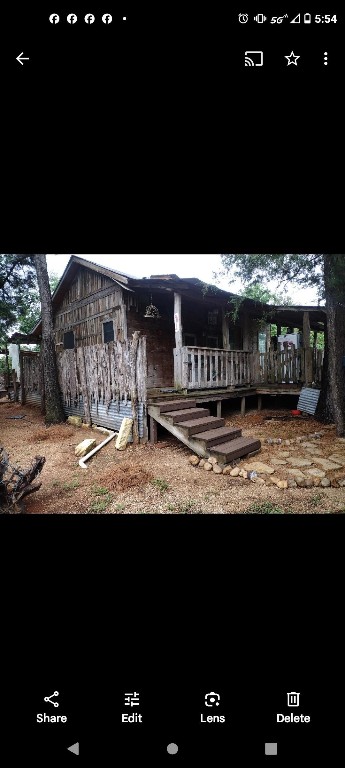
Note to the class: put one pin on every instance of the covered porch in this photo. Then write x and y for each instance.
(206, 367)
(200, 337)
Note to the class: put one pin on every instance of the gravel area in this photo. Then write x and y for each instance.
(158, 479)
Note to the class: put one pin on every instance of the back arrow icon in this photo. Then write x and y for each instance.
(22, 58)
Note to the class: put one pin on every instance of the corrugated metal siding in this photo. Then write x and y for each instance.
(308, 400)
(110, 418)
(34, 398)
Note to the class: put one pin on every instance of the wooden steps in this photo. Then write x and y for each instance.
(234, 449)
(176, 405)
(186, 414)
(204, 434)
(200, 425)
(217, 436)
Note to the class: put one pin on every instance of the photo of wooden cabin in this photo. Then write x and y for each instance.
(144, 347)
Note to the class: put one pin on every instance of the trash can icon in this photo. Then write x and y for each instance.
(293, 699)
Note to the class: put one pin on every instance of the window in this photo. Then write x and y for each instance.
(108, 331)
(235, 337)
(68, 340)
(189, 340)
(212, 317)
(212, 341)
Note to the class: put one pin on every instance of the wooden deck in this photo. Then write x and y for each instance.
(155, 396)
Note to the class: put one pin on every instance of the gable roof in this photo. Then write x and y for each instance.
(75, 262)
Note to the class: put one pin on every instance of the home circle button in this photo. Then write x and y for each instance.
(172, 749)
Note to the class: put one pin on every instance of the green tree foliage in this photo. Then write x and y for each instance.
(17, 280)
(303, 269)
(33, 308)
(259, 292)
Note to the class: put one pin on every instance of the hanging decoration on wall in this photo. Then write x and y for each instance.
(151, 310)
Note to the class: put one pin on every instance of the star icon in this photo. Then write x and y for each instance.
(292, 58)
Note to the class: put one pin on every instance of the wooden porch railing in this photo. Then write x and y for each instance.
(299, 366)
(207, 368)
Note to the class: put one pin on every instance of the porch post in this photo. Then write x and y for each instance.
(308, 353)
(225, 329)
(153, 431)
(21, 364)
(178, 342)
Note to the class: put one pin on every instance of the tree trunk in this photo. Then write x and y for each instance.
(54, 412)
(335, 308)
(324, 410)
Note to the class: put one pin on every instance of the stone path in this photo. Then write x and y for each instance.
(307, 463)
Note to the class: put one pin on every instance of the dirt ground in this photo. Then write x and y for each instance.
(155, 479)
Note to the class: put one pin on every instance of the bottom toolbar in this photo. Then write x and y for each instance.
(186, 723)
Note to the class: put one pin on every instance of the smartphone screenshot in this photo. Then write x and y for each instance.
(172, 385)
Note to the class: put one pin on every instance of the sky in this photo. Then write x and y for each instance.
(184, 265)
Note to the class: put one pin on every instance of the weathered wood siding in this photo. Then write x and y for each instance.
(110, 374)
(251, 329)
(91, 300)
(31, 377)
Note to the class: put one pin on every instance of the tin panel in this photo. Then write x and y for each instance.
(308, 400)
(34, 398)
(110, 418)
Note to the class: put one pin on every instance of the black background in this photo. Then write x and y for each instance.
(163, 143)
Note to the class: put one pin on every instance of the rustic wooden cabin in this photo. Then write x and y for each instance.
(124, 344)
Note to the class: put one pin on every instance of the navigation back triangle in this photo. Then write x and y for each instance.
(74, 748)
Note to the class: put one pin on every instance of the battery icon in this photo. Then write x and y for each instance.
(307, 18)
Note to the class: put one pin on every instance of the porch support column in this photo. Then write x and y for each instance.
(225, 329)
(178, 384)
(153, 430)
(259, 402)
(308, 353)
(21, 377)
(226, 346)
(243, 406)
(219, 409)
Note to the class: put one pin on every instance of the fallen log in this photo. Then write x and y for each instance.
(16, 483)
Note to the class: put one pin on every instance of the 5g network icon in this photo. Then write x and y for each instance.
(253, 59)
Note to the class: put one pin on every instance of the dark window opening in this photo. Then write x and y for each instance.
(213, 317)
(68, 340)
(108, 331)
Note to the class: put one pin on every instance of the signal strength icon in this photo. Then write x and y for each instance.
(253, 59)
